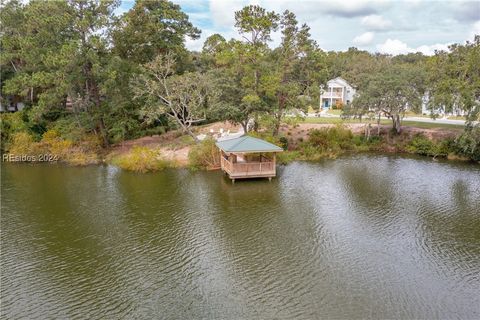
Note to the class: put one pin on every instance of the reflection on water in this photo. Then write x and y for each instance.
(356, 237)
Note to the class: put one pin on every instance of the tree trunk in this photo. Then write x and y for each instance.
(255, 123)
(244, 126)
(367, 131)
(96, 96)
(190, 133)
(396, 123)
(276, 128)
(187, 130)
(278, 115)
(103, 132)
(378, 125)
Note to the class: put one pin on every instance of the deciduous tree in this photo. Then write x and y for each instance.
(183, 98)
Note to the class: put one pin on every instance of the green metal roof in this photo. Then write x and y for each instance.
(247, 144)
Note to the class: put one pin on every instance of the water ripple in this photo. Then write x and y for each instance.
(356, 237)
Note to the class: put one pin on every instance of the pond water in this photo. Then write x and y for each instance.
(364, 236)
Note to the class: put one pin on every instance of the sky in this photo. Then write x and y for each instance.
(385, 26)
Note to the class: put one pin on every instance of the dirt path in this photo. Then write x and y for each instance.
(173, 145)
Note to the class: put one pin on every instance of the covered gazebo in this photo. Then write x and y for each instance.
(248, 157)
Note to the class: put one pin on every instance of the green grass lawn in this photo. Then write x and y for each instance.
(418, 115)
(429, 125)
(456, 118)
(335, 112)
(417, 124)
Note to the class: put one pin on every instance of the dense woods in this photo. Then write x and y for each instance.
(86, 74)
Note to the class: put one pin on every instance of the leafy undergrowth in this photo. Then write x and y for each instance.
(141, 159)
(334, 141)
(52, 147)
(204, 155)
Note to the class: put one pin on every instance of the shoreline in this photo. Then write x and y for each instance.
(103, 162)
(172, 149)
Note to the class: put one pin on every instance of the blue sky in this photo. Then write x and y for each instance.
(385, 26)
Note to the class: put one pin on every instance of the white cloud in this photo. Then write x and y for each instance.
(396, 47)
(198, 16)
(364, 39)
(313, 9)
(352, 8)
(362, 22)
(223, 12)
(393, 47)
(195, 45)
(376, 22)
(475, 30)
(430, 50)
(413, 3)
(467, 10)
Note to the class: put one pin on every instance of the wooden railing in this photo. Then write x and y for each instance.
(247, 168)
(226, 165)
(332, 95)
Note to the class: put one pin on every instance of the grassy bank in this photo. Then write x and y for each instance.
(333, 141)
(141, 159)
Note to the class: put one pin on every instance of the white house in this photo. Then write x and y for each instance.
(11, 104)
(456, 111)
(338, 91)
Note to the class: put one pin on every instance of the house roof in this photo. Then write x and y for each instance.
(339, 80)
(247, 144)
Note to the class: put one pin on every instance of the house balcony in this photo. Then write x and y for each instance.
(332, 95)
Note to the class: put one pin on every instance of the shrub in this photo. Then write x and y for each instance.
(468, 144)
(331, 139)
(310, 152)
(82, 153)
(204, 155)
(287, 156)
(56, 145)
(10, 123)
(445, 147)
(421, 145)
(140, 159)
(294, 121)
(22, 144)
(186, 140)
(284, 142)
